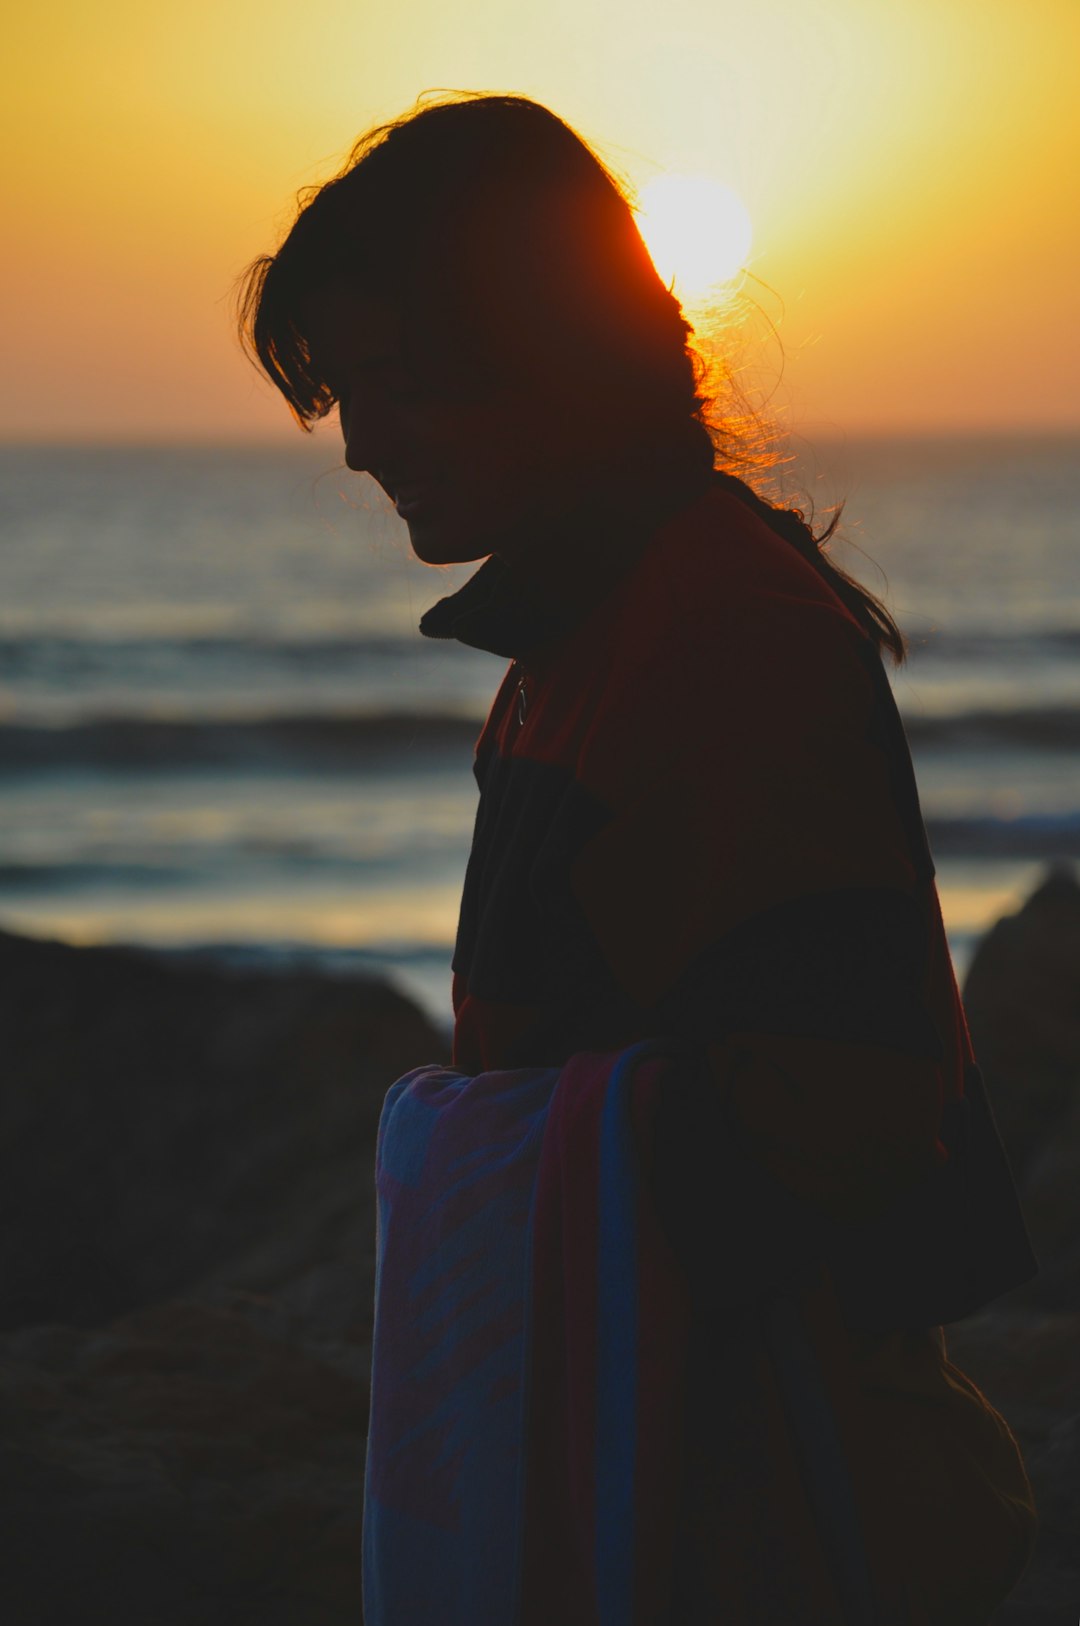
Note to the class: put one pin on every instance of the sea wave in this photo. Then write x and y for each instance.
(321, 740)
(91, 649)
(1054, 728)
(1028, 835)
(974, 643)
(316, 741)
(196, 634)
(67, 875)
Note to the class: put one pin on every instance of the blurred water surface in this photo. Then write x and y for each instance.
(220, 728)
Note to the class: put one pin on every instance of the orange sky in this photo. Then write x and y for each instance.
(911, 172)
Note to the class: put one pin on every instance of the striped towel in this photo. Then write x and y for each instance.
(531, 1330)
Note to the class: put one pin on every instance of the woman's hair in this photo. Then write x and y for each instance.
(508, 248)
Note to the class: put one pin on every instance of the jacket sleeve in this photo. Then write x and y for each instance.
(754, 889)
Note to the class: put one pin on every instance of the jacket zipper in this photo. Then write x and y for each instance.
(522, 697)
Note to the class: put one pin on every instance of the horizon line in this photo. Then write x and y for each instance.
(278, 442)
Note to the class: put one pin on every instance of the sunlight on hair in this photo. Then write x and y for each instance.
(697, 231)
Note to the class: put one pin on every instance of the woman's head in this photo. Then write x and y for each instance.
(472, 292)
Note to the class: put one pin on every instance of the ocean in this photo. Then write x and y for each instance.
(221, 732)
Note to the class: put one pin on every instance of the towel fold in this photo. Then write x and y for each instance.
(531, 1332)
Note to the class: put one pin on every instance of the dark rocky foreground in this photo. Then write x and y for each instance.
(185, 1299)
(186, 1285)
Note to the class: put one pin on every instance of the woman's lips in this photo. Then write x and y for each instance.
(412, 499)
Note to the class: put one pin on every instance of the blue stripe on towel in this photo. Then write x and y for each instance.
(455, 1189)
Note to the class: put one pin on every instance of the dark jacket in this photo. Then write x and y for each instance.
(698, 818)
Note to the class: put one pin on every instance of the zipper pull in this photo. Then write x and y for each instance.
(522, 702)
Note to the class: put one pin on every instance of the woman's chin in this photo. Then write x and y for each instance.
(437, 544)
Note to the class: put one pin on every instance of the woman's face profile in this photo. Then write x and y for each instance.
(464, 468)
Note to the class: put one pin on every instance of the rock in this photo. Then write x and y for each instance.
(187, 1287)
(177, 1132)
(1025, 1363)
(165, 1123)
(182, 1465)
(1022, 1000)
(1050, 1192)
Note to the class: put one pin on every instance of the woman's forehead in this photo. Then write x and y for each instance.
(348, 329)
(345, 326)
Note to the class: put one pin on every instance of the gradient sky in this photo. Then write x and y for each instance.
(911, 170)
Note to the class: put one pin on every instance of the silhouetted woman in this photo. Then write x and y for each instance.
(697, 818)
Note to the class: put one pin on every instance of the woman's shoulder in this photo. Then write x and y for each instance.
(717, 557)
(726, 644)
(717, 579)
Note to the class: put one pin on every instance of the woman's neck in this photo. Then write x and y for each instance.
(629, 486)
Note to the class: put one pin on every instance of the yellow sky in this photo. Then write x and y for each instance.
(911, 170)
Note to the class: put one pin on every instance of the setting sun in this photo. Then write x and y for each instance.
(697, 231)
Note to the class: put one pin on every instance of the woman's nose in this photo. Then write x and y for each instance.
(367, 435)
(357, 457)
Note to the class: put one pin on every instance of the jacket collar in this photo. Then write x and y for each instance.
(514, 606)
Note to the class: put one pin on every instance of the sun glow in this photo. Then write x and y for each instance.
(697, 231)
